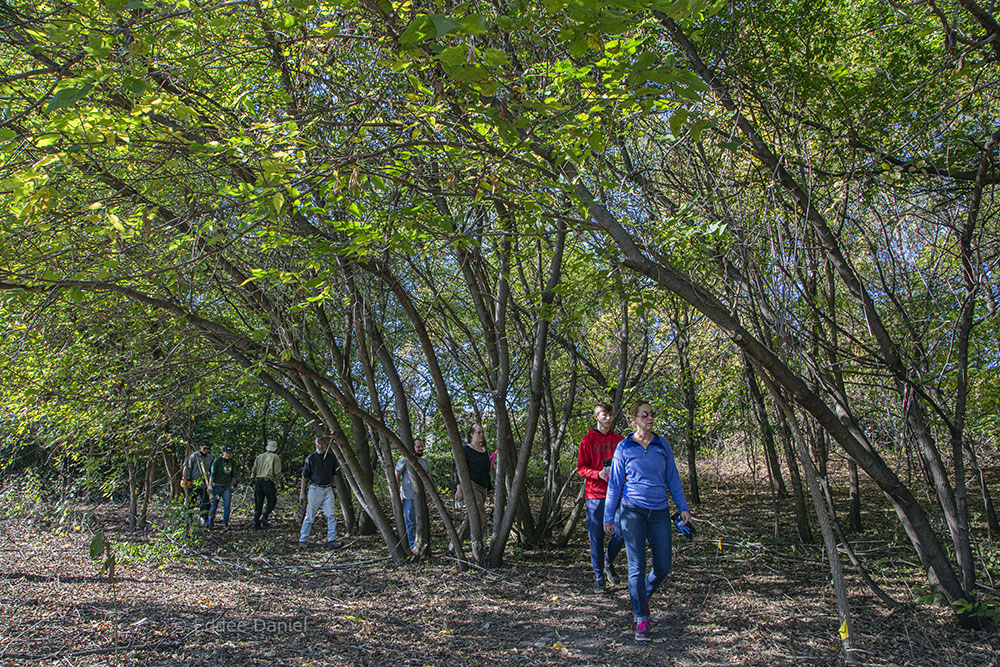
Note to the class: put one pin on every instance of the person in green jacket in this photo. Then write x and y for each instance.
(222, 486)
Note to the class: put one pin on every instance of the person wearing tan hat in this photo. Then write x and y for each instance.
(266, 475)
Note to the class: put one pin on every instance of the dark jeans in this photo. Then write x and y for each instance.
(640, 525)
(263, 489)
(204, 501)
(410, 521)
(595, 529)
(224, 491)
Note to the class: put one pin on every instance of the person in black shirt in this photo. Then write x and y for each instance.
(197, 470)
(320, 473)
(478, 462)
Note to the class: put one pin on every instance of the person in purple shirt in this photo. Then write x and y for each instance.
(643, 471)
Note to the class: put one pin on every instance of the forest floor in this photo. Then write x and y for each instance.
(251, 598)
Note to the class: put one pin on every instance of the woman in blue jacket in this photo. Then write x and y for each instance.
(643, 471)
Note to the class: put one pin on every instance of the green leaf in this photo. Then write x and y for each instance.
(67, 97)
(473, 24)
(697, 128)
(454, 56)
(136, 86)
(495, 57)
(444, 25)
(466, 74)
(97, 545)
(611, 24)
(421, 29)
(677, 122)
(596, 140)
(644, 60)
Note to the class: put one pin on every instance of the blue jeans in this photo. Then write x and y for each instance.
(640, 525)
(320, 496)
(411, 525)
(224, 491)
(595, 529)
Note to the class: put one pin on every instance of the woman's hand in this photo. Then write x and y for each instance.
(685, 518)
(609, 529)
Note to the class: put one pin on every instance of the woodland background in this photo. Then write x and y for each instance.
(776, 221)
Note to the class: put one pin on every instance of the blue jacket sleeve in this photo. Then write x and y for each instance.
(616, 483)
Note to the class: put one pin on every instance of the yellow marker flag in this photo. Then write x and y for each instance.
(843, 630)
(720, 544)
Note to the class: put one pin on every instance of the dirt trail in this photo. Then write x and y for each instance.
(250, 598)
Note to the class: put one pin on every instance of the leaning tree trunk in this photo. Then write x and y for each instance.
(911, 513)
(574, 517)
(519, 484)
(957, 589)
(826, 528)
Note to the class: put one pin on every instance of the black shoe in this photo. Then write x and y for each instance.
(334, 544)
(612, 575)
(303, 545)
(599, 586)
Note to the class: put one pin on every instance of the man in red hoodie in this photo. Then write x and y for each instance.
(593, 464)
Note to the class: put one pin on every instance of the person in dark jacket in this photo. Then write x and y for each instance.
(222, 486)
(320, 474)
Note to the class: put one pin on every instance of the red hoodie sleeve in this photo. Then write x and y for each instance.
(587, 464)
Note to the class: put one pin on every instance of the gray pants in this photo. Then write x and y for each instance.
(320, 497)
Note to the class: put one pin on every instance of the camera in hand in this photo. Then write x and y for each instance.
(607, 463)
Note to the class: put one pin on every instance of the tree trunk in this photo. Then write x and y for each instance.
(173, 472)
(133, 493)
(992, 525)
(802, 527)
(854, 502)
(519, 485)
(760, 411)
(681, 340)
(574, 518)
(826, 528)
(147, 491)
(443, 398)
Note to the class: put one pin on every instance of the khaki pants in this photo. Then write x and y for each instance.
(477, 501)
